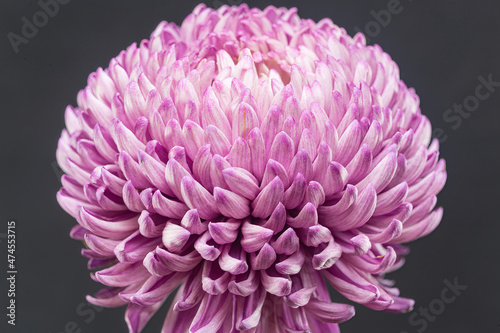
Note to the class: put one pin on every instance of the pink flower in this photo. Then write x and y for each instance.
(244, 156)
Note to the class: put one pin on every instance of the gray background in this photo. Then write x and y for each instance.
(441, 47)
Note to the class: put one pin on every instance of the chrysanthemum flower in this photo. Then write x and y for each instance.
(245, 157)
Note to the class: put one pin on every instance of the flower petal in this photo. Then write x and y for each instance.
(268, 199)
(197, 197)
(254, 236)
(231, 204)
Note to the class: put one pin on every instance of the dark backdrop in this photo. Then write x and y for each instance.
(442, 48)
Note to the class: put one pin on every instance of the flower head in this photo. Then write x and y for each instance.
(243, 157)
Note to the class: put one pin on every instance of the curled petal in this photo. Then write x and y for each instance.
(381, 175)
(374, 265)
(201, 167)
(296, 192)
(330, 312)
(113, 183)
(322, 160)
(155, 288)
(206, 247)
(301, 163)
(264, 259)
(218, 165)
(401, 305)
(192, 138)
(247, 310)
(138, 316)
(277, 220)
(349, 196)
(422, 228)
(361, 244)
(167, 207)
(334, 179)
(244, 284)
(231, 204)
(314, 235)
(108, 297)
(282, 150)
(349, 143)
(273, 170)
(257, 151)
(191, 293)
(350, 284)
(315, 194)
(117, 227)
(213, 115)
(155, 266)
(78, 232)
(122, 274)
(155, 172)
(241, 182)
(254, 236)
(212, 313)
(268, 199)
(300, 297)
(293, 264)
(133, 171)
(327, 257)
(174, 173)
(135, 247)
(125, 140)
(287, 242)
(179, 321)
(131, 198)
(191, 221)
(104, 144)
(239, 154)
(358, 214)
(391, 199)
(224, 232)
(381, 235)
(214, 280)
(102, 246)
(178, 262)
(174, 237)
(233, 259)
(360, 164)
(307, 217)
(197, 197)
(276, 283)
(244, 119)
